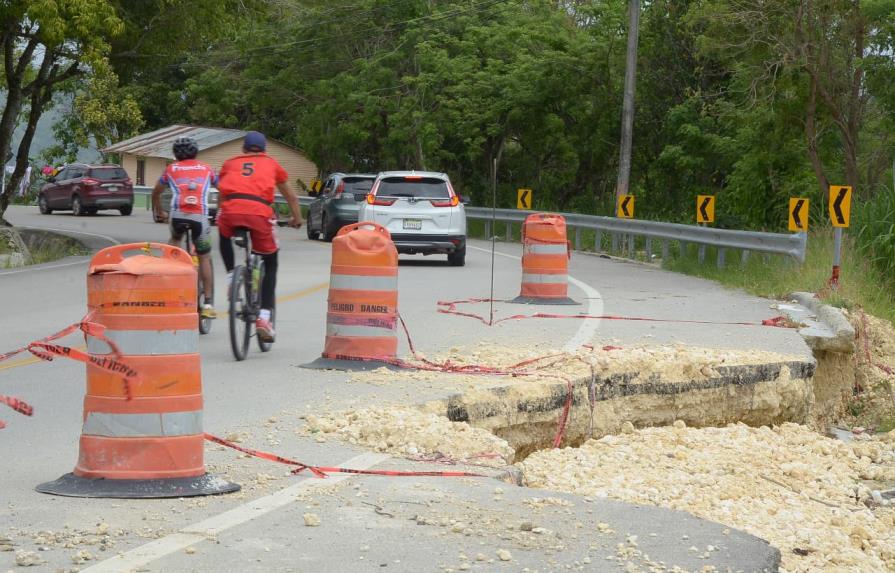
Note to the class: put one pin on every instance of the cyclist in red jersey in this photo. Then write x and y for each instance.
(189, 181)
(246, 187)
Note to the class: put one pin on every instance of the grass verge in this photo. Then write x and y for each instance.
(51, 248)
(861, 284)
(52, 253)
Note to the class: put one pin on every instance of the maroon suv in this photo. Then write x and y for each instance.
(85, 189)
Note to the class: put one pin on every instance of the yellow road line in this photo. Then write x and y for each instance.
(301, 293)
(284, 298)
(33, 359)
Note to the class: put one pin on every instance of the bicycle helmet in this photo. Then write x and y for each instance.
(254, 141)
(185, 148)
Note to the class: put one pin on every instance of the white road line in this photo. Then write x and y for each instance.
(208, 528)
(34, 269)
(106, 237)
(594, 307)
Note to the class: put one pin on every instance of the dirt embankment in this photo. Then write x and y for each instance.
(872, 405)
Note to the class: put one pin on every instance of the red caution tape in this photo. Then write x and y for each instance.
(322, 471)
(450, 307)
(47, 350)
(18, 405)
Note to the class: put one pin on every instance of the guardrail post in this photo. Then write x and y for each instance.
(701, 254)
(509, 231)
(744, 257)
(577, 238)
(598, 241)
(721, 258)
(614, 247)
(683, 246)
(664, 250)
(488, 230)
(632, 246)
(649, 249)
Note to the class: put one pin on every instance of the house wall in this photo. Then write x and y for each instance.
(154, 167)
(301, 169)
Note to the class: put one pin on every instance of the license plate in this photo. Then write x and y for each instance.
(413, 224)
(113, 188)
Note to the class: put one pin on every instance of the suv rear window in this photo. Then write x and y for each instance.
(357, 184)
(419, 187)
(108, 173)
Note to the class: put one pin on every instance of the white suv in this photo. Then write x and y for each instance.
(421, 211)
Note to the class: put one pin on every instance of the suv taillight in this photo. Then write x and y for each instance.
(374, 200)
(452, 202)
(339, 190)
(89, 181)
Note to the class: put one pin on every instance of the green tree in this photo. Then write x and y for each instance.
(44, 44)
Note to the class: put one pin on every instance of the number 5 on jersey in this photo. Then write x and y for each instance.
(248, 168)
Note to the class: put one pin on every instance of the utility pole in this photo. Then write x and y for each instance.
(624, 163)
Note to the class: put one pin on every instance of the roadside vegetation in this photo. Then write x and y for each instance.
(45, 251)
(753, 101)
(55, 251)
(868, 264)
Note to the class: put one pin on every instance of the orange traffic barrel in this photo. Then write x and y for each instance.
(362, 307)
(143, 439)
(545, 260)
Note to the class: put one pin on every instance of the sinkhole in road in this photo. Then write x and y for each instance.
(528, 413)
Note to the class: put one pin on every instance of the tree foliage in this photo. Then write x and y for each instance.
(45, 43)
(752, 101)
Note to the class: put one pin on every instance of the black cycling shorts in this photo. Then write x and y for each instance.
(199, 232)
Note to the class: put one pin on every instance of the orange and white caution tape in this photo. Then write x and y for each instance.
(46, 349)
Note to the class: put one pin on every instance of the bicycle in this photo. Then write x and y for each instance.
(204, 321)
(245, 298)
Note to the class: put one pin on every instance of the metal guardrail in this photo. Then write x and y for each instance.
(278, 199)
(624, 231)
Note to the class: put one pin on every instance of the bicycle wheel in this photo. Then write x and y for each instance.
(241, 316)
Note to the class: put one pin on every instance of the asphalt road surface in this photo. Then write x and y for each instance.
(366, 523)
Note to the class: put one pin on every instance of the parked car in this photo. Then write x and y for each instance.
(337, 203)
(85, 189)
(166, 206)
(421, 211)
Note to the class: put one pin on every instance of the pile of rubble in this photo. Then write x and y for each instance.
(803, 492)
(411, 432)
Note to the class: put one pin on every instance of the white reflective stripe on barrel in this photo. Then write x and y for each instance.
(133, 425)
(363, 282)
(147, 342)
(544, 279)
(541, 249)
(353, 330)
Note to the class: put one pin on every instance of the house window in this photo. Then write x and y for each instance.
(141, 172)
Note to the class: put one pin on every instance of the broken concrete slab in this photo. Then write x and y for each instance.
(825, 327)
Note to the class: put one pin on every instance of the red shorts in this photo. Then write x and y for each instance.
(261, 228)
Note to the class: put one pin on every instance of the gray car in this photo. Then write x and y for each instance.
(337, 203)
